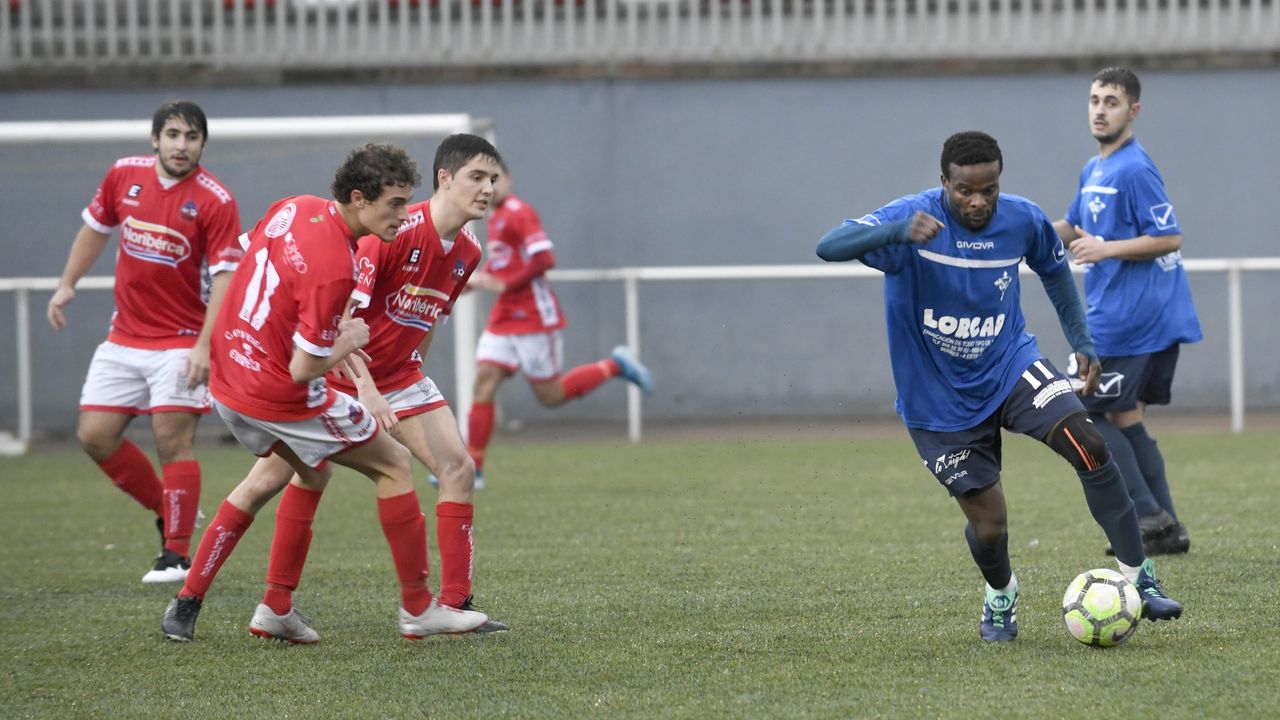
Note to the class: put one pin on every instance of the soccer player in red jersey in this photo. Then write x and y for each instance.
(178, 228)
(282, 329)
(403, 290)
(524, 330)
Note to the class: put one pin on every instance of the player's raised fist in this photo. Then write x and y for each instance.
(924, 227)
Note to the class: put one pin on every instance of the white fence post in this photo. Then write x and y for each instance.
(635, 402)
(1235, 343)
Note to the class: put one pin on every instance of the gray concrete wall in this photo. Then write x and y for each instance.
(708, 173)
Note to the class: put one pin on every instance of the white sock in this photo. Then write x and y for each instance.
(1012, 586)
(1129, 571)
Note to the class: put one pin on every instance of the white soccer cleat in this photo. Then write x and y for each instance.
(169, 567)
(293, 627)
(440, 619)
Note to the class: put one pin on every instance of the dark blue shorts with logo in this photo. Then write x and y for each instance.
(965, 461)
(1128, 380)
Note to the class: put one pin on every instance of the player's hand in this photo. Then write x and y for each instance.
(1087, 248)
(197, 366)
(382, 411)
(924, 227)
(1090, 374)
(487, 281)
(61, 298)
(355, 331)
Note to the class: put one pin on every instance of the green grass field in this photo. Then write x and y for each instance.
(673, 579)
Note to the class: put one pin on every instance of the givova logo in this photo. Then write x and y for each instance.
(153, 243)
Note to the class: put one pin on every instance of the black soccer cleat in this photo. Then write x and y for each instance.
(1155, 604)
(179, 621)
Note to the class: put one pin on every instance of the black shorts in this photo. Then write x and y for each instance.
(1128, 380)
(965, 461)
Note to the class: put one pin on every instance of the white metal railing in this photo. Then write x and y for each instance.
(465, 320)
(310, 34)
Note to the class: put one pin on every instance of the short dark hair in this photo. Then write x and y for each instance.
(971, 147)
(457, 150)
(187, 111)
(1123, 78)
(371, 168)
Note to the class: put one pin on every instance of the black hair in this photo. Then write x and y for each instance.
(971, 147)
(187, 111)
(1123, 78)
(371, 168)
(457, 150)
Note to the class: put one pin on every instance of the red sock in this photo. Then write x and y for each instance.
(289, 546)
(130, 470)
(457, 551)
(479, 428)
(585, 378)
(406, 529)
(224, 531)
(181, 502)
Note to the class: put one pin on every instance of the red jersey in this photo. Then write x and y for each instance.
(292, 288)
(515, 235)
(403, 288)
(171, 240)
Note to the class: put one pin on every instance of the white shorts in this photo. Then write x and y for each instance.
(540, 356)
(139, 382)
(346, 424)
(421, 397)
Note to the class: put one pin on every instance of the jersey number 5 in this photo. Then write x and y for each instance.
(262, 286)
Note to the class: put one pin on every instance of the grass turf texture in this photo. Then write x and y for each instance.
(684, 579)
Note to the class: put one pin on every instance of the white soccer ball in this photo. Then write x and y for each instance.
(1101, 608)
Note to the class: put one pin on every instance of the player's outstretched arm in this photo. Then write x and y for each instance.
(198, 358)
(852, 240)
(1088, 248)
(85, 250)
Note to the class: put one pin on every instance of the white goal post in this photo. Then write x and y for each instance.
(345, 127)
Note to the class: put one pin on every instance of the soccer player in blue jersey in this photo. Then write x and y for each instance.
(965, 366)
(1121, 227)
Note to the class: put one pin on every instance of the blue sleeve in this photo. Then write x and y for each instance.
(853, 239)
(1045, 252)
(1073, 210)
(1062, 292)
(1152, 209)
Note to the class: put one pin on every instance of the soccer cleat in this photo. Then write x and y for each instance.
(169, 567)
(999, 616)
(633, 371)
(293, 627)
(179, 621)
(1155, 604)
(440, 619)
(435, 481)
(490, 625)
(1153, 529)
(1173, 541)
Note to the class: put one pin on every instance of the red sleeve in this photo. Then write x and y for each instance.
(368, 260)
(537, 265)
(102, 208)
(320, 309)
(222, 233)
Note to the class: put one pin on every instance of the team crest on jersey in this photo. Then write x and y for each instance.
(1002, 283)
(189, 209)
(415, 307)
(355, 414)
(459, 269)
(281, 221)
(134, 191)
(153, 243)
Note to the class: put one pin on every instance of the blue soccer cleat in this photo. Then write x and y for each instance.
(1155, 604)
(999, 616)
(633, 371)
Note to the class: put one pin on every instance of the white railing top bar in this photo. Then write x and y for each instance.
(259, 128)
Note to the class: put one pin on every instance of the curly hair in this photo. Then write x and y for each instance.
(371, 168)
(970, 148)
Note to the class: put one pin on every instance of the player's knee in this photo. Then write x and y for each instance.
(989, 532)
(457, 474)
(1078, 440)
(98, 444)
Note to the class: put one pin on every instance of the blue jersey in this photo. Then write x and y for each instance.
(1136, 307)
(957, 338)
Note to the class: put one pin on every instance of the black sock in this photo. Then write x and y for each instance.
(1111, 507)
(1130, 469)
(1152, 464)
(992, 560)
